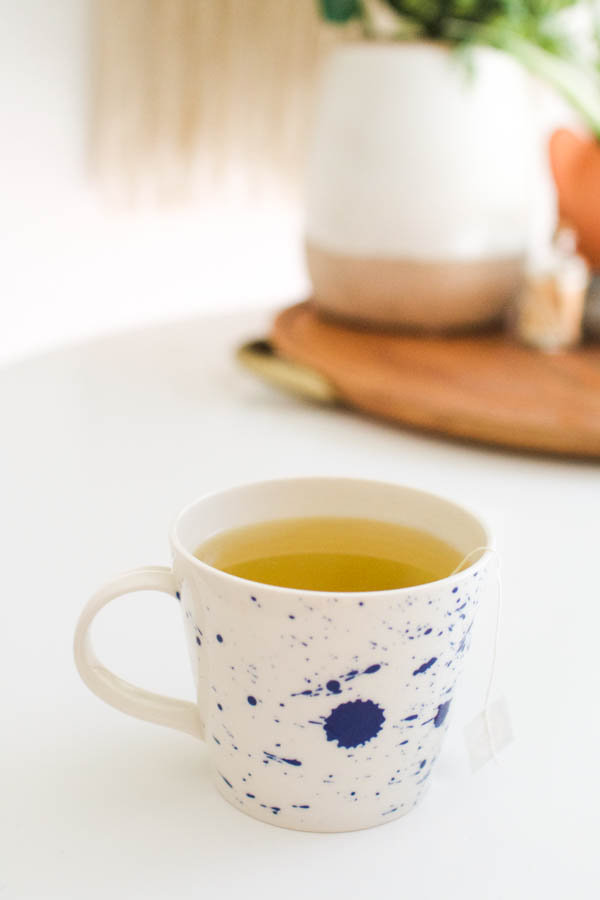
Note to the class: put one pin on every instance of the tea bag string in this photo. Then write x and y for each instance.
(492, 676)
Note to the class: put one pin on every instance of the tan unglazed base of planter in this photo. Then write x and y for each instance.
(431, 296)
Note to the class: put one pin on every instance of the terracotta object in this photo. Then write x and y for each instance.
(575, 162)
(486, 388)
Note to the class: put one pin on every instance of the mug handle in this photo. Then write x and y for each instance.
(179, 714)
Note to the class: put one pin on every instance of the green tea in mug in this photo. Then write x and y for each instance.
(333, 554)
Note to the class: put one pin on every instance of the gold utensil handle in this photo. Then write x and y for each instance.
(262, 358)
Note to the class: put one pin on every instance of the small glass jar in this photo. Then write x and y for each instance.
(549, 309)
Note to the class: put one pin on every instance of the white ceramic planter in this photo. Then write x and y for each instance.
(419, 185)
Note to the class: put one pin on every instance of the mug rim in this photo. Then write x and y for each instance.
(178, 547)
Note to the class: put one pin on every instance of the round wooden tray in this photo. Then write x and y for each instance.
(484, 387)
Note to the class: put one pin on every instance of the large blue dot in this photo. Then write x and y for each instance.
(354, 723)
(252, 700)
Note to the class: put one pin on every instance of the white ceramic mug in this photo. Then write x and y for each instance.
(321, 712)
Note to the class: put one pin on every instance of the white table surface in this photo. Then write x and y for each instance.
(101, 446)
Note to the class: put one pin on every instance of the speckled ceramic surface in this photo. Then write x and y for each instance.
(321, 712)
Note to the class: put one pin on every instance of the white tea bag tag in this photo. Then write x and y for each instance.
(488, 733)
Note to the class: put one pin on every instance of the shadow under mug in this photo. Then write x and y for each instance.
(320, 712)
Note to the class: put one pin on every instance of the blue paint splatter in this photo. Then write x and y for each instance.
(454, 590)
(291, 616)
(441, 714)
(253, 599)
(219, 707)
(281, 759)
(228, 783)
(333, 685)
(252, 796)
(198, 641)
(425, 666)
(371, 669)
(428, 631)
(422, 763)
(275, 809)
(354, 723)
(216, 740)
(402, 743)
(251, 700)
(300, 806)
(178, 595)
(220, 638)
(411, 718)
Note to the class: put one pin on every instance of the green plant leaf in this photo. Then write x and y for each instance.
(339, 10)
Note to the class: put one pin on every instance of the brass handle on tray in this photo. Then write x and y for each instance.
(262, 358)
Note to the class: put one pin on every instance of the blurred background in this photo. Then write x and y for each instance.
(83, 249)
(152, 159)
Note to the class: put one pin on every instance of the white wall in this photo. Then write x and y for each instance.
(69, 265)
